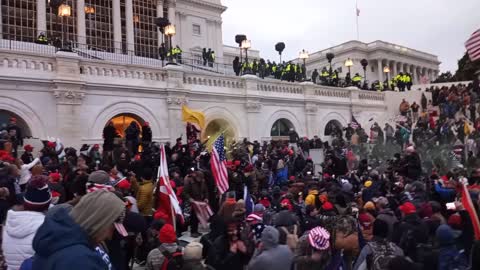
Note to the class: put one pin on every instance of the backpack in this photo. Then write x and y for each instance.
(173, 261)
(382, 254)
(292, 238)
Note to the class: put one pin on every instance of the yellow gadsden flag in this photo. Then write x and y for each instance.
(193, 117)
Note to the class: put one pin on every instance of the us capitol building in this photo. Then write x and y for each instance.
(112, 72)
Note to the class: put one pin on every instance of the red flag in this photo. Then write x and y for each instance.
(468, 205)
(168, 204)
(473, 46)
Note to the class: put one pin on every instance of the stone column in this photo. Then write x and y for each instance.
(176, 98)
(129, 26)
(380, 70)
(254, 108)
(172, 18)
(41, 16)
(117, 26)
(394, 70)
(81, 27)
(69, 94)
(160, 14)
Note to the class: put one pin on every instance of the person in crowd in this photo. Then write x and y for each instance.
(21, 226)
(145, 193)
(229, 251)
(192, 256)
(76, 237)
(16, 135)
(269, 254)
(379, 250)
(132, 134)
(195, 190)
(168, 254)
(314, 250)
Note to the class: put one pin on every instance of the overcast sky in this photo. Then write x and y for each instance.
(440, 27)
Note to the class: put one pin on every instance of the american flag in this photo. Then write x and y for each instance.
(473, 46)
(354, 124)
(218, 164)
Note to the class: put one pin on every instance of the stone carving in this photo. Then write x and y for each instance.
(253, 106)
(311, 109)
(177, 100)
(69, 97)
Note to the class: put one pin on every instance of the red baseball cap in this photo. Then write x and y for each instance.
(408, 208)
(28, 147)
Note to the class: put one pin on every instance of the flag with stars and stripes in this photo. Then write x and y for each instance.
(218, 164)
(473, 46)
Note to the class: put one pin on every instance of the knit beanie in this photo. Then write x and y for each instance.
(445, 235)
(167, 234)
(37, 196)
(270, 237)
(319, 238)
(97, 210)
(193, 251)
(99, 177)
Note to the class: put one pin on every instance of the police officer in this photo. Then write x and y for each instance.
(324, 75)
(408, 81)
(314, 76)
(400, 82)
(42, 39)
(357, 80)
(211, 58)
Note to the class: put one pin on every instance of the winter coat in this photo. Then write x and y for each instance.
(25, 173)
(155, 258)
(278, 258)
(18, 233)
(145, 198)
(195, 190)
(389, 217)
(367, 251)
(61, 244)
(222, 259)
(146, 134)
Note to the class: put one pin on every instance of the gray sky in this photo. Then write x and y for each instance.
(440, 27)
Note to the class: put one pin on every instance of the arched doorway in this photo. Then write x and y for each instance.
(333, 127)
(5, 117)
(122, 121)
(280, 128)
(216, 127)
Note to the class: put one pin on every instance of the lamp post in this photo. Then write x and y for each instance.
(279, 47)
(239, 40)
(304, 56)
(64, 10)
(246, 44)
(349, 64)
(364, 63)
(161, 24)
(386, 70)
(89, 10)
(170, 32)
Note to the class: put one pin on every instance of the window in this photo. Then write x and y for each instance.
(196, 29)
(373, 69)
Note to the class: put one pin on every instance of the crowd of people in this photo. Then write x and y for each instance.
(385, 198)
(284, 71)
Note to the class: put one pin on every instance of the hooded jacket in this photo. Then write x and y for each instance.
(20, 228)
(273, 255)
(60, 244)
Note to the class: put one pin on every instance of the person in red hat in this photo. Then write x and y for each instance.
(27, 156)
(164, 256)
(411, 231)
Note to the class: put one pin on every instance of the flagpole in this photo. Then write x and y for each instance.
(356, 13)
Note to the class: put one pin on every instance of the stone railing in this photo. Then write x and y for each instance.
(93, 69)
(26, 62)
(280, 87)
(212, 81)
(332, 92)
(372, 96)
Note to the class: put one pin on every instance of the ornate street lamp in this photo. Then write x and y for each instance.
(162, 23)
(349, 64)
(246, 44)
(89, 11)
(330, 57)
(239, 39)
(386, 70)
(304, 56)
(364, 63)
(63, 10)
(279, 47)
(170, 32)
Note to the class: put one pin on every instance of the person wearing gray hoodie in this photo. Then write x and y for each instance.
(269, 254)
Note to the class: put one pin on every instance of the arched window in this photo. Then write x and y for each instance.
(332, 127)
(216, 127)
(122, 121)
(5, 119)
(281, 127)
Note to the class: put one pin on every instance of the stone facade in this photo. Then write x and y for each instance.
(379, 55)
(66, 96)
